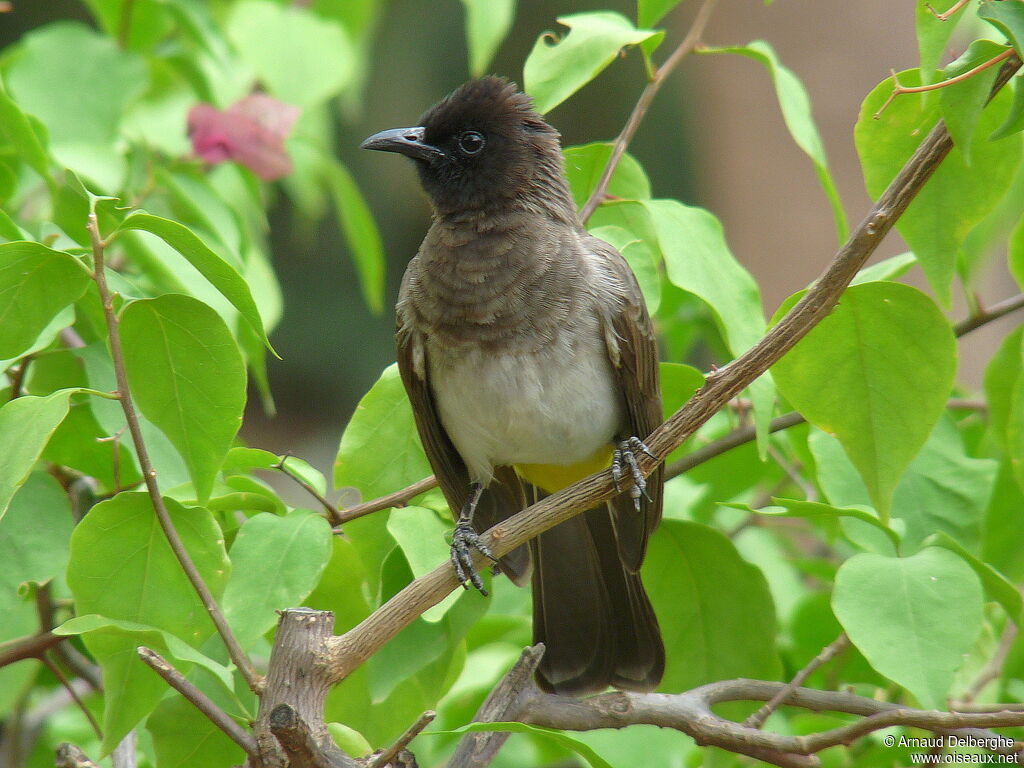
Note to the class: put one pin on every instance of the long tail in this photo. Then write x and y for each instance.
(591, 612)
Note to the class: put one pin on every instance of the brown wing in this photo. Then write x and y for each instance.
(503, 497)
(635, 362)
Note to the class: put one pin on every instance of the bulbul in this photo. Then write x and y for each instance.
(530, 362)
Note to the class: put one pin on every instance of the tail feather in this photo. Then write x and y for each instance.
(591, 611)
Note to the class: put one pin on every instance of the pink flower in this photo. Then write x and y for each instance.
(251, 132)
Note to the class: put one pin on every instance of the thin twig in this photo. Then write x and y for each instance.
(389, 754)
(643, 104)
(397, 499)
(200, 700)
(55, 671)
(994, 312)
(70, 756)
(31, 647)
(828, 653)
(945, 16)
(994, 669)
(124, 26)
(899, 90)
(17, 377)
(238, 656)
(333, 515)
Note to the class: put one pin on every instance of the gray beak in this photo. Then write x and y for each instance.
(405, 141)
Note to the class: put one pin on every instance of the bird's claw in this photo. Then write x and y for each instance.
(626, 453)
(464, 541)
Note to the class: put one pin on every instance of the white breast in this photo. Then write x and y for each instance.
(555, 406)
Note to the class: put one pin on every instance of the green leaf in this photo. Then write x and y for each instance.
(997, 586)
(361, 234)
(380, 449)
(423, 539)
(815, 510)
(1003, 392)
(487, 24)
(185, 738)
(1003, 528)
(956, 197)
(164, 642)
(351, 741)
(17, 129)
(26, 424)
(888, 269)
(698, 260)
(122, 568)
(1014, 122)
(591, 757)
(650, 12)
(555, 71)
(34, 533)
(187, 377)
(1015, 258)
(78, 83)
(944, 489)
(933, 34)
(961, 103)
(1008, 18)
(217, 271)
(584, 165)
(300, 57)
(641, 260)
(275, 563)
(913, 618)
(796, 111)
(714, 608)
(875, 373)
(35, 284)
(148, 20)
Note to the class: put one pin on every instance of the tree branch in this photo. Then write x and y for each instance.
(828, 653)
(238, 656)
(333, 515)
(397, 499)
(388, 755)
(198, 699)
(504, 703)
(643, 104)
(691, 713)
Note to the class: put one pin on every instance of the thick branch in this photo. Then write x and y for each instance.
(691, 713)
(238, 656)
(28, 648)
(504, 703)
(290, 725)
(348, 651)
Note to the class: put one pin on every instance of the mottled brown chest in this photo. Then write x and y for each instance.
(501, 287)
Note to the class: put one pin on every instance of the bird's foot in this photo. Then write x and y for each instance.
(464, 541)
(625, 454)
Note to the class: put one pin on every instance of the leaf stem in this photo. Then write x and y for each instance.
(898, 89)
(689, 42)
(238, 656)
(947, 14)
(124, 26)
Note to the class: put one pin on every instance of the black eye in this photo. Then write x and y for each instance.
(471, 142)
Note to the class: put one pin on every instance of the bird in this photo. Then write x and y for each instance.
(530, 362)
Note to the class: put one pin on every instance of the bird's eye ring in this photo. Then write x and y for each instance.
(471, 142)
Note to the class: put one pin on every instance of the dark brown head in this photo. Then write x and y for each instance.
(484, 148)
